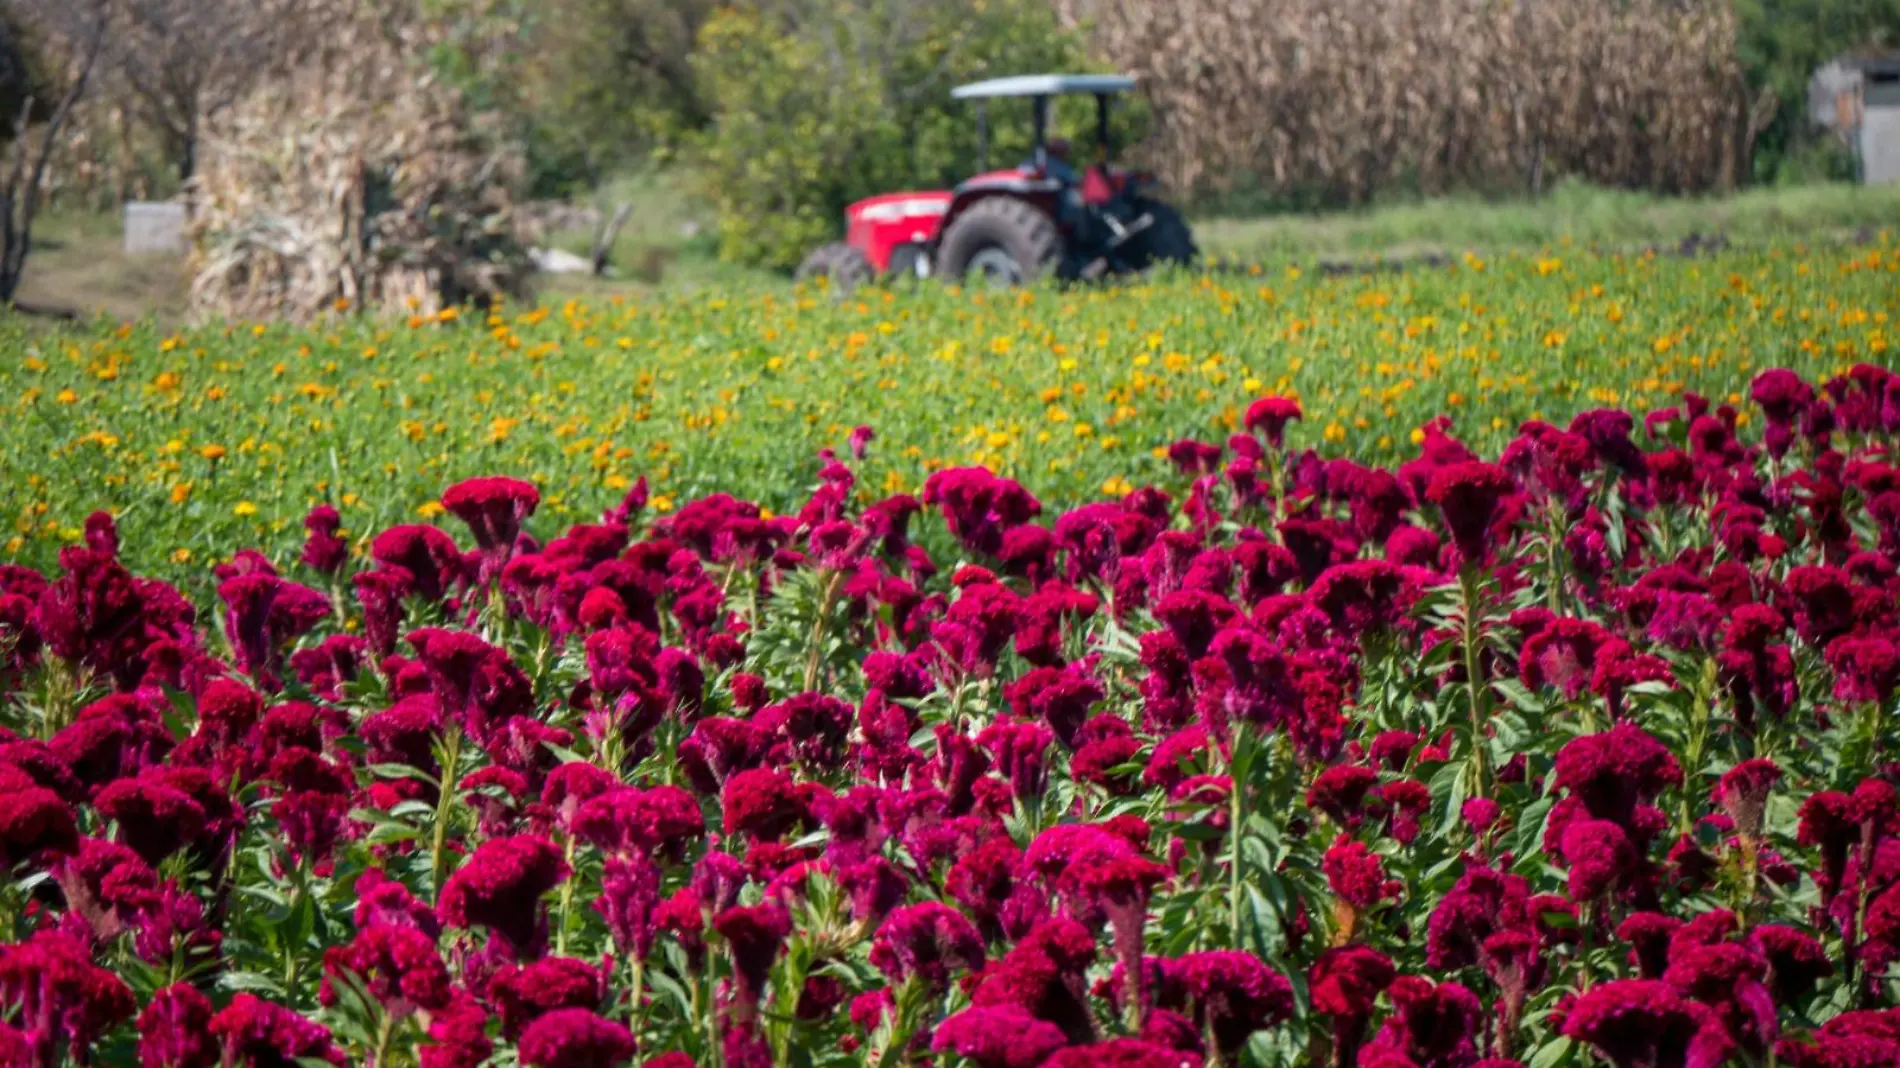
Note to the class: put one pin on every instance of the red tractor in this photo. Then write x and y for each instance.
(1008, 227)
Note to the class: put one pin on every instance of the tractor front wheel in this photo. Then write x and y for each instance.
(1002, 241)
(843, 267)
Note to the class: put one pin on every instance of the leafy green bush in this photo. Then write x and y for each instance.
(816, 106)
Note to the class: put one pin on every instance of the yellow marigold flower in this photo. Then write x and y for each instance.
(66, 396)
(181, 556)
(213, 453)
(244, 510)
(181, 492)
(660, 503)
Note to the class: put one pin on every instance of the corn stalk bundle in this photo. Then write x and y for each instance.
(1341, 100)
(358, 179)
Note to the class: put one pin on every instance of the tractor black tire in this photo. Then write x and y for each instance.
(843, 267)
(1166, 242)
(1003, 225)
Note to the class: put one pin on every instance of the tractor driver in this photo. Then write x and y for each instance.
(1058, 166)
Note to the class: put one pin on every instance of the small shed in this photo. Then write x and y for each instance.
(1858, 98)
(1879, 140)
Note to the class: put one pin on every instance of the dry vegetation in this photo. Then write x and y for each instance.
(1343, 100)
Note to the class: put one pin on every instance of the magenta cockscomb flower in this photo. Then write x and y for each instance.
(1355, 874)
(397, 965)
(998, 1038)
(978, 506)
(576, 1038)
(1743, 793)
(323, 550)
(930, 941)
(1345, 983)
(1600, 856)
(1865, 668)
(1365, 596)
(1471, 498)
(1435, 1026)
(754, 935)
(1641, 1023)
(1613, 772)
(426, 557)
(1563, 655)
(1269, 416)
(525, 993)
(494, 509)
(500, 888)
(254, 1033)
(1231, 995)
(175, 1030)
(63, 999)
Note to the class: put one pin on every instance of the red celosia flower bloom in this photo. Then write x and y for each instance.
(397, 965)
(1639, 1023)
(424, 555)
(1865, 669)
(500, 888)
(1563, 654)
(755, 934)
(175, 1030)
(256, 1033)
(998, 1038)
(1269, 416)
(1471, 497)
(928, 941)
(522, 994)
(323, 550)
(1122, 1053)
(1355, 874)
(1363, 596)
(61, 997)
(1231, 994)
(1600, 856)
(1345, 983)
(1743, 793)
(1434, 1026)
(494, 509)
(576, 1038)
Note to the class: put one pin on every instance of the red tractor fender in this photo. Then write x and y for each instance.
(877, 226)
(1037, 189)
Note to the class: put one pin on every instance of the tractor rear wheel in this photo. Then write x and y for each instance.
(1001, 240)
(1167, 240)
(843, 267)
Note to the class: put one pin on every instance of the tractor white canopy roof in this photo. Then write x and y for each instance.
(1044, 85)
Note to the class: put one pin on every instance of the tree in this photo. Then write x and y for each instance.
(27, 155)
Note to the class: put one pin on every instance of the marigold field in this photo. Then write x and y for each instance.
(1485, 667)
(214, 438)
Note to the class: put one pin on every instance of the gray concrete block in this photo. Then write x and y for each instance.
(155, 228)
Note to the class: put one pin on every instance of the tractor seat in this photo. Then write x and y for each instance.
(1098, 187)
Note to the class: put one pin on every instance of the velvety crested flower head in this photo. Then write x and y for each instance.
(1865, 668)
(1231, 994)
(1600, 856)
(1269, 416)
(1563, 654)
(1122, 1053)
(525, 993)
(1436, 1026)
(60, 993)
(998, 1038)
(576, 1038)
(1355, 874)
(1340, 790)
(1743, 793)
(1471, 498)
(500, 888)
(1615, 771)
(978, 506)
(930, 941)
(764, 803)
(175, 1030)
(1363, 596)
(755, 935)
(1640, 1023)
(425, 556)
(1347, 980)
(259, 1032)
(323, 550)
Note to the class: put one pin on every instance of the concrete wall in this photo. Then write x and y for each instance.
(1880, 144)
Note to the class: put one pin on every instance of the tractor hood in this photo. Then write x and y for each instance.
(890, 208)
